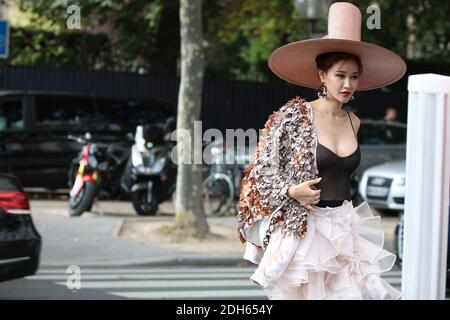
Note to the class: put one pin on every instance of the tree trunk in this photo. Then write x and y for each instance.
(189, 212)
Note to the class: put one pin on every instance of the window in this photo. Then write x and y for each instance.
(376, 133)
(63, 112)
(396, 134)
(128, 113)
(11, 115)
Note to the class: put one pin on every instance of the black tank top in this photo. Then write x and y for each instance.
(335, 172)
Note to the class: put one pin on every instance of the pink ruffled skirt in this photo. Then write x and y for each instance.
(341, 257)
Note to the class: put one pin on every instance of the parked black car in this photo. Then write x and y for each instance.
(20, 242)
(34, 127)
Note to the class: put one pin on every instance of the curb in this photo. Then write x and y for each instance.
(162, 262)
(117, 229)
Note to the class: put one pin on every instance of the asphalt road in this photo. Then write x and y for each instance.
(92, 239)
(155, 283)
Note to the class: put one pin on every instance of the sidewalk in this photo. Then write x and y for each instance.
(117, 237)
(114, 236)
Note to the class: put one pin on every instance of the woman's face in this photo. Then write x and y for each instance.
(341, 80)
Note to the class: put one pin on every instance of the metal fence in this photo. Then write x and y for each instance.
(226, 103)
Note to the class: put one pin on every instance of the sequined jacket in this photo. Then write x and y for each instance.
(284, 156)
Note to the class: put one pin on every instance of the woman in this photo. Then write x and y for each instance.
(315, 244)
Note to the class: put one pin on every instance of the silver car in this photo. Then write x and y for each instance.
(381, 142)
(383, 186)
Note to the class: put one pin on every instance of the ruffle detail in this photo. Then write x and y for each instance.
(341, 257)
(284, 157)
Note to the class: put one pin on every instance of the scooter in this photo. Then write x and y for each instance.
(150, 174)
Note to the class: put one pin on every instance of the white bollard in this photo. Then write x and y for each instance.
(427, 187)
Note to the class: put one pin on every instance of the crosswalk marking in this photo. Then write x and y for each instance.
(164, 284)
(193, 294)
(144, 276)
(158, 277)
(173, 282)
(164, 275)
(152, 269)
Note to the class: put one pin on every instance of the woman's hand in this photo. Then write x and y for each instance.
(304, 194)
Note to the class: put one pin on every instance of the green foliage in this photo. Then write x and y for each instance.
(78, 50)
(143, 35)
(246, 32)
(431, 27)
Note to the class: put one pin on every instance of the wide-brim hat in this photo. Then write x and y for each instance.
(296, 61)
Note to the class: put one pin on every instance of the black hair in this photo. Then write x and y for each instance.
(325, 61)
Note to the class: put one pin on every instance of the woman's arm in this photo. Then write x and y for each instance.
(263, 189)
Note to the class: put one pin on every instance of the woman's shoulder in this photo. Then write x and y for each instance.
(284, 115)
(294, 105)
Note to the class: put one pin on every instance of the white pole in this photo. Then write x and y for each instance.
(427, 187)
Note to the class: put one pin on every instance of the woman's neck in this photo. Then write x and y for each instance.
(328, 108)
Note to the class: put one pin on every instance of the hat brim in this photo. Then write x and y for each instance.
(295, 62)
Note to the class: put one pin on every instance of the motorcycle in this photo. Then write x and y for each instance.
(150, 174)
(97, 170)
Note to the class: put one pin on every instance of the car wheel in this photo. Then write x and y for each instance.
(398, 243)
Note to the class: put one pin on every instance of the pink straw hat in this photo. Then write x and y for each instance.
(295, 62)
